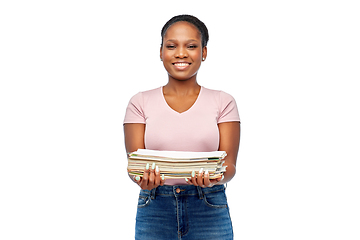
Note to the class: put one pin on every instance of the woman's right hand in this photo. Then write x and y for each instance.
(151, 178)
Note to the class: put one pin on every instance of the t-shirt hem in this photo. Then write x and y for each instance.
(133, 122)
(229, 120)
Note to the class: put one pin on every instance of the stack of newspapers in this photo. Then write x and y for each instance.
(177, 164)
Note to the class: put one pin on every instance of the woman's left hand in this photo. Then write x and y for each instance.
(202, 179)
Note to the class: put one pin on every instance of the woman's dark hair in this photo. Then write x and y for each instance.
(190, 19)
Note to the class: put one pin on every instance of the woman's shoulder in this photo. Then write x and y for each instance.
(146, 94)
(226, 104)
(149, 92)
(152, 91)
(218, 94)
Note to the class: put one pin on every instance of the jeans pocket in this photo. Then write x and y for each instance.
(216, 199)
(144, 199)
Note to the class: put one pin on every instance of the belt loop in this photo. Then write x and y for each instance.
(200, 192)
(152, 193)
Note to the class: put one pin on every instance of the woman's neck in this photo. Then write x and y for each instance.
(181, 87)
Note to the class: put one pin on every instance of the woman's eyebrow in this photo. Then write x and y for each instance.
(189, 40)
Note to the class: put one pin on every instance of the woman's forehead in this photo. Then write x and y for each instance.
(182, 30)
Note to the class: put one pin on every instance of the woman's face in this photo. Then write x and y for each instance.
(182, 52)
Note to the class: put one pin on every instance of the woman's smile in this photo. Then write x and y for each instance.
(181, 66)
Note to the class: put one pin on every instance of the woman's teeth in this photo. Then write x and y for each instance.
(181, 64)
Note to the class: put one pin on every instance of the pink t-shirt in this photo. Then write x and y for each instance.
(193, 130)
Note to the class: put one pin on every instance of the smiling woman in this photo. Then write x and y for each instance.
(182, 51)
(183, 116)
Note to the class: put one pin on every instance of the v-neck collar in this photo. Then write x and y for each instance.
(180, 113)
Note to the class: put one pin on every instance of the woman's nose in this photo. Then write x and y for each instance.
(181, 52)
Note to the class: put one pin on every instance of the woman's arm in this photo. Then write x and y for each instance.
(134, 136)
(229, 142)
(134, 140)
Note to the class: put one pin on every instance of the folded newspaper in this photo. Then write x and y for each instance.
(177, 164)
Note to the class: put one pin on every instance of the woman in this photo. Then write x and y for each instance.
(183, 116)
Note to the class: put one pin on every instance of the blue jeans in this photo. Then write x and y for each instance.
(183, 212)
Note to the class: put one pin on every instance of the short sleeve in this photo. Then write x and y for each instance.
(134, 111)
(228, 109)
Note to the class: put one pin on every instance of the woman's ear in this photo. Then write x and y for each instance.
(161, 53)
(204, 53)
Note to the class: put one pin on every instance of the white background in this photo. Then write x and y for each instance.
(69, 68)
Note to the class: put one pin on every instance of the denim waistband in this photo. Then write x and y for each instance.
(183, 190)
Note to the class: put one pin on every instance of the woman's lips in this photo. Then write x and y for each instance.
(181, 65)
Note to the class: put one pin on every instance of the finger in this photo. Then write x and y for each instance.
(145, 178)
(152, 175)
(200, 180)
(157, 176)
(216, 180)
(207, 181)
(189, 180)
(162, 180)
(219, 179)
(137, 179)
(193, 179)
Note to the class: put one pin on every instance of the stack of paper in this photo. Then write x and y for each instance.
(177, 164)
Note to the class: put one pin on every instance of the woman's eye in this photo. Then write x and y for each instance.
(192, 46)
(170, 46)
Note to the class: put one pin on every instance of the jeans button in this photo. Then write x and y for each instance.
(177, 190)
